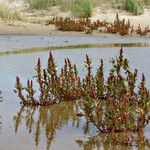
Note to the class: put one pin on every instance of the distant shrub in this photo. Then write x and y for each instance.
(38, 4)
(8, 14)
(147, 2)
(82, 8)
(134, 6)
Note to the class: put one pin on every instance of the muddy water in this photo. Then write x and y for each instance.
(56, 127)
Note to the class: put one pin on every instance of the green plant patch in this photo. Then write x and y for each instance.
(38, 4)
(82, 8)
(134, 6)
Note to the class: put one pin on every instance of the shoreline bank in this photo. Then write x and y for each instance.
(27, 28)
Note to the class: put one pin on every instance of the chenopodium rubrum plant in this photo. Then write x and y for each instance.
(116, 106)
(67, 85)
(53, 87)
(69, 82)
(27, 93)
(94, 87)
(88, 82)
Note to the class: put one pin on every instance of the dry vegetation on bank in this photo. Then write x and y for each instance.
(30, 17)
(7, 13)
(78, 8)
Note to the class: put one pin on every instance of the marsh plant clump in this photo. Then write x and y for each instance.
(122, 27)
(113, 104)
(68, 85)
(67, 24)
(53, 87)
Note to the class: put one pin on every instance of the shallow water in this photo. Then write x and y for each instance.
(55, 128)
(13, 42)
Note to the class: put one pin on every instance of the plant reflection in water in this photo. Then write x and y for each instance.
(54, 117)
(50, 118)
(104, 141)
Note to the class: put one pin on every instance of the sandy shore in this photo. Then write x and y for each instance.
(26, 28)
